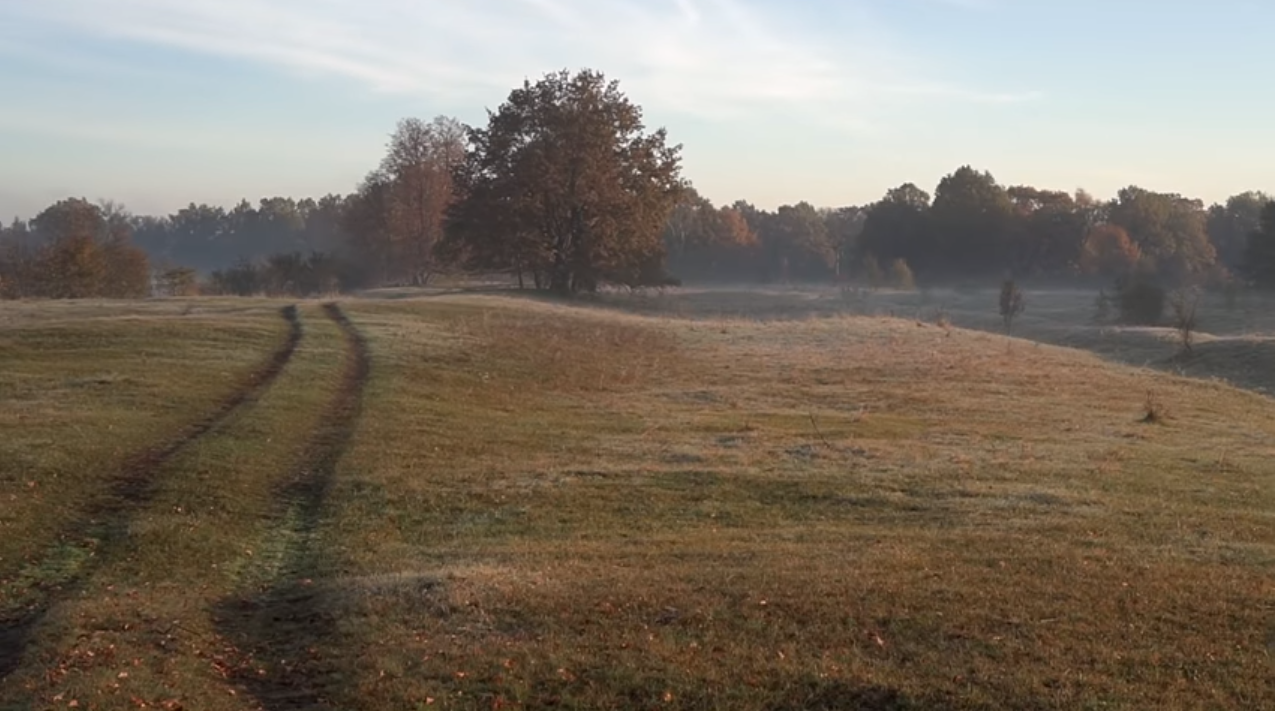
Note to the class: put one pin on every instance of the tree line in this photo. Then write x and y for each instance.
(565, 189)
(973, 228)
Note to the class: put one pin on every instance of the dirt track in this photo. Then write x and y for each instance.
(105, 521)
(286, 617)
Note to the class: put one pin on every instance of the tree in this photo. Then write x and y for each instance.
(1185, 303)
(19, 262)
(971, 219)
(365, 222)
(1259, 256)
(707, 241)
(1049, 230)
(1230, 225)
(844, 226)
(71, 265)
(564, 178)
(1170, 231)
(419, 167)
(872, 272)
(1012, 303)
(795, 241)
(126, 269)
(897, 227)
(87, 252)
(199, 235)
(176, 281)
(1107, 251)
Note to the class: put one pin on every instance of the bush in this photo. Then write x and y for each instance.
(287, 274)
(1012, 303)
(242, 279)
(1185, 303)
(1141, 302)
(901, 275)
(177, 281)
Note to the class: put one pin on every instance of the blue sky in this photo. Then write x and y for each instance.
(158, 103)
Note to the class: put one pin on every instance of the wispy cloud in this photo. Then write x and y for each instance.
(711, 58)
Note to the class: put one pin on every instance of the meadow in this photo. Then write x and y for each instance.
(715, 499)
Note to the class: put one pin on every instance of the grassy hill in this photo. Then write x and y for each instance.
(485, 502)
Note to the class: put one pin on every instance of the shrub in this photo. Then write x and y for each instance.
(177, 281)
(1185, 303)
(1012, 303)
(242, 279)
(901, 275)
(1141, 302)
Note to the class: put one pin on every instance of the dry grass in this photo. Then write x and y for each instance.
(546, 505)
(85, 386)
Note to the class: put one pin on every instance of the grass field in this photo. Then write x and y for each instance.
(487, 502)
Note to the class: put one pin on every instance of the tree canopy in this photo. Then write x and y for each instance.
(565, 182)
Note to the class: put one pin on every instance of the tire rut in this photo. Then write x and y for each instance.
(106, 521)
(287, 620)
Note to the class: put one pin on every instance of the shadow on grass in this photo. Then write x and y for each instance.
(104, 525)
(281, 631)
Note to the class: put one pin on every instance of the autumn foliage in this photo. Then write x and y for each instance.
(74, 250)
(1108, 251)
(565, 184)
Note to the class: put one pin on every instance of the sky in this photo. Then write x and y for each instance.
(160, 103)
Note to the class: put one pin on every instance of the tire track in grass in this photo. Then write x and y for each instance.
(278, 630)
(104, 524)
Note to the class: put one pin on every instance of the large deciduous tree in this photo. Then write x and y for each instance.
(87, 252)
(419, 168)
(565, 182)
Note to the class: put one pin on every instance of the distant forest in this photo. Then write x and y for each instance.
(566, 190)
